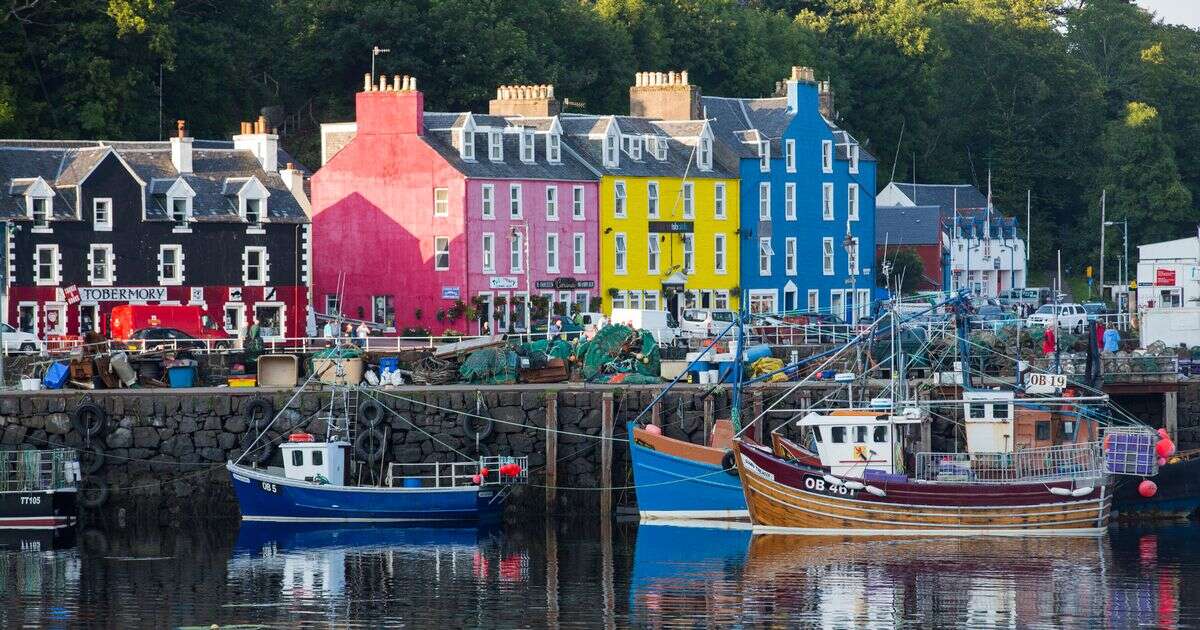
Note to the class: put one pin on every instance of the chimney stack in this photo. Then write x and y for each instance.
(293, 179)
(825, 100)
(264, 146)
(525, 100)
(390, 106)
(181, 148)
(801, 89)
(664, 96)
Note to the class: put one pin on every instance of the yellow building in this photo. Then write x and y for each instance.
(669, 217)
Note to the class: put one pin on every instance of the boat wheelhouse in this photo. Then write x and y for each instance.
(38, 488)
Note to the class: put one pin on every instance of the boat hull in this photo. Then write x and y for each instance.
(786, 498)
(1178, 495)
(37, 509)
(680, 480)
(266, 497)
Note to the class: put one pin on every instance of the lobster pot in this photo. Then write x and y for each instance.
(1130, 452)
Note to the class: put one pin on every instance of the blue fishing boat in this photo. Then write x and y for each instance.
(676, 479)
(313, 486)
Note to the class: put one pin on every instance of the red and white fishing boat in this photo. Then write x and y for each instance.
(1031, 467)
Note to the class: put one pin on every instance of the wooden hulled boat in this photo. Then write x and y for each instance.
(1026, 471)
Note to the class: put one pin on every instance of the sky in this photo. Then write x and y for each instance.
(1186, 12)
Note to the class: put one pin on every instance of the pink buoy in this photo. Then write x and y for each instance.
(1162, 433)
(1147, 488)
(1162, 461)
(1164, 448)
(477, 480)
(653, 429)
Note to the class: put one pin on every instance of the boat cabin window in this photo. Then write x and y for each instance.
(880, 434)
(297, 457)
(860, 434)
(1000, 411)
(817, 433)
(838, 435)
(1043, 431)
(317, 458)
(1068, 428)
(978, 410)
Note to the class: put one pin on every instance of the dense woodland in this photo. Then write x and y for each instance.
(1061, 97)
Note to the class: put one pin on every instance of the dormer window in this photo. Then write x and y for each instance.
(495, 146)
(553, 148)
(704, 154)
(635, 147)
(254, 208)
(527, 145)
(611, 155)
(467, 143)
(660, 149)
(181, 211)
(39, 211)
(764, 156)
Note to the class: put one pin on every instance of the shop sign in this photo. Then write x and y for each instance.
(671, 227)
(565, 284)
(1164, 277)
(123, 294)
(450, 293)
(502, 282)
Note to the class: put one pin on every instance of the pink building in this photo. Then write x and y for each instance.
(419, 216)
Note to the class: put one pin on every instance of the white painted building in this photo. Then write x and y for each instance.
(984, 250)
(1168, 292)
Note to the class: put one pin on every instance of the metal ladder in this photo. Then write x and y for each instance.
(342, 414)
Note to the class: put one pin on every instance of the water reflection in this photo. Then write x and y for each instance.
(584, 574)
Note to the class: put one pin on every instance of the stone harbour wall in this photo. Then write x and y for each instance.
(163, 451)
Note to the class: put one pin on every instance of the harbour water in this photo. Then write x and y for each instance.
(580, 574)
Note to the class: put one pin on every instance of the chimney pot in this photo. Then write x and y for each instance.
(367, 82)
(179, 125)
(262, 124)
(683, 77)
(291, 166)
(412, 83)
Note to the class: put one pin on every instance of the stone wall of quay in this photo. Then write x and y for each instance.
(163, 451)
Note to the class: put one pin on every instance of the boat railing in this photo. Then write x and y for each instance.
(34, 470)
(1046, 463)
(491, 470)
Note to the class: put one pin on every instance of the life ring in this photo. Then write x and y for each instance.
(89, 419)
(259, 452)
(474, 433)
(252, 409)
(92, 493)
(370, 412)
(729, 463)
(370, 445)
(91, 458)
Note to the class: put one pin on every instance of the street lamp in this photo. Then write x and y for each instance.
(527, 264)
(1125, 246)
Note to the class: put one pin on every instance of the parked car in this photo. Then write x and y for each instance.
(22, 341)
(1096, 310)
(802, 327)
(1068, 316)
(189, 320)
(703, 323)
(170, 338)
(1031, 297)
(661, 323)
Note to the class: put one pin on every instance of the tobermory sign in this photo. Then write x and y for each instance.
(565, 284)
(122, 294)
(671, 227)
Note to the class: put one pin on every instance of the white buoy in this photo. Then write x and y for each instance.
(1062, 492)
(854, 485)
(833, 481)
(1082, 492)
(876, 491)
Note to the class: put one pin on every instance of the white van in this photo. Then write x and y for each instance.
(705, 323)
(660, 323)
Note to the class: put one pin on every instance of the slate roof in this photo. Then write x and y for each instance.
(444, 140)
(731, 118)
(943, 195)
(908, 225)
(65, 164)
(681, 138)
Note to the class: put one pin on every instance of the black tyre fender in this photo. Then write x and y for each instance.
(370, 445)
(371, 412)
(477, 427)
(89, 419)
(259, 452)
(729, 463)
(258, 413)
(92, 493)
(91, 458)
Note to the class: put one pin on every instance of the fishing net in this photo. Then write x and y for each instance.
(618, 349)
(767, 365)
(490, 365)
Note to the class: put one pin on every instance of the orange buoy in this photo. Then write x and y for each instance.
(1147, 488)
(653, 429)
(300, 437)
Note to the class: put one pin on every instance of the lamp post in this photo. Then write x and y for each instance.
(1124, 269)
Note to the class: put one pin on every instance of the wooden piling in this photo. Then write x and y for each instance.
(551, 452)
(1171, 414)
(656, 413)
(756, 404)
(606, 452)
(709, 416)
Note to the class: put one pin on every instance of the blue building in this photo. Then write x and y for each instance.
(807, 200)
